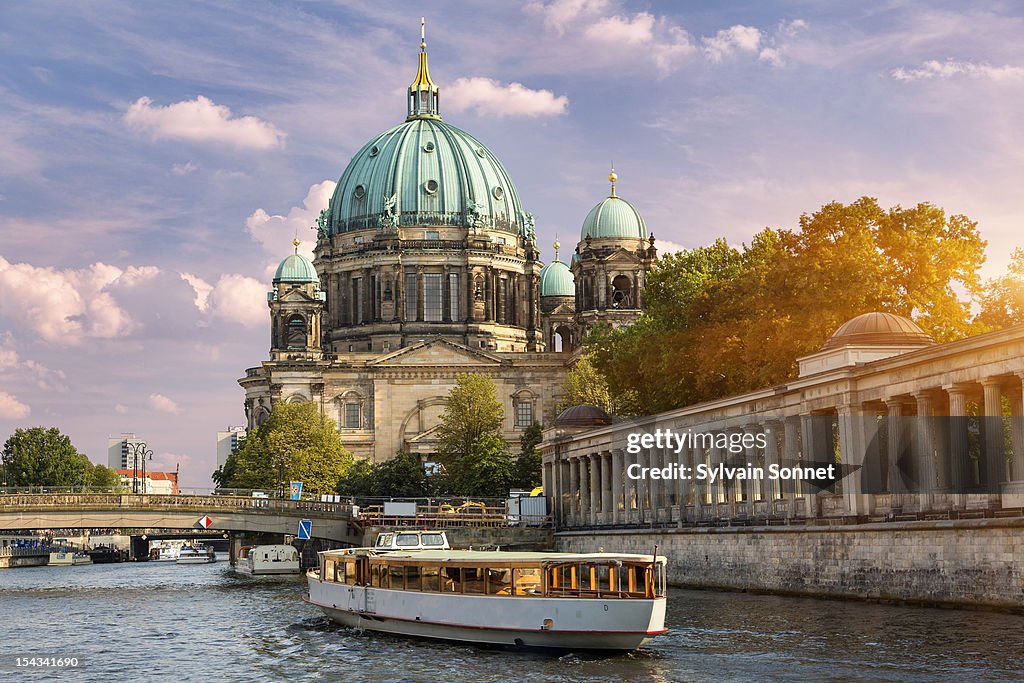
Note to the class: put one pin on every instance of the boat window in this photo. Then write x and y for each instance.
(347, 573)
(432, 539)
(375, 575)
(499, 581)
(384, 540)
(328, 572)
(452, 580)
(430, 578)
(526, 581)
(473, 580)
(407, 540)
(396, 577)
(412, 578)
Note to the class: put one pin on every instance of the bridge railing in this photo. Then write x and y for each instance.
(106, 501)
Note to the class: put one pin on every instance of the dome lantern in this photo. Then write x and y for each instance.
(423, 92)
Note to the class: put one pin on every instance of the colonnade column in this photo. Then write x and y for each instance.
(896, 485)
(752, 486)
(681, 486)
(960, 464)
(1017, 416)
(617, 471)
(771, 457)
(607, 490)
(995, 447)
(574, 485)
(925, 454)
(595, 486)
(790, 456)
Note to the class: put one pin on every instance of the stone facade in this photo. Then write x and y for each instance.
(964, 562)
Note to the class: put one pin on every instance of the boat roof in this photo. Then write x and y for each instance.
(491, 557)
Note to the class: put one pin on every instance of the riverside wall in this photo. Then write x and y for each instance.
(963, 563)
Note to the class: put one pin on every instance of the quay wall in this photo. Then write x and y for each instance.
(15, 561)
(951, 562)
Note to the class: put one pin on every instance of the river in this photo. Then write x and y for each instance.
(161, 621)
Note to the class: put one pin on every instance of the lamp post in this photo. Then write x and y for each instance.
(140, 451)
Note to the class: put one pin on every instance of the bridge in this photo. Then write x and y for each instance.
(331, 521)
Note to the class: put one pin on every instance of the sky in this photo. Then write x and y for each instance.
(157, 159)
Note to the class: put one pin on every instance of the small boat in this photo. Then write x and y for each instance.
(164, 553)
(564, 601)
(81, 558)
(268, 559)
(196, 554)
(106, 554)
(68, 558)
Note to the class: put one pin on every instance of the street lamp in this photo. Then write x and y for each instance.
(139, 450)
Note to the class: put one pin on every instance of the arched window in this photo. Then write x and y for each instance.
(622, 289)
(561, 339)
(296, 332)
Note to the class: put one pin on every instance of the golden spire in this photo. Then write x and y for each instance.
(296, 243)
(612, 177)
(557, 245)
(423, 91)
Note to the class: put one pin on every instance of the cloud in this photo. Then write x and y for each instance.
(201, 120)
(241, 299)
(275, 233)
(558, 14)
(11, 408)
(184, 169)
(729, 41)
(8, 354)
(490, 98)
(616, 29)
(667, 246)
(161, 403)
(657, 38)
(120, 409)
(950, 68)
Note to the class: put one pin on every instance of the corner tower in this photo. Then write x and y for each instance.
(611, 263)
(425, 236)
(296, 303)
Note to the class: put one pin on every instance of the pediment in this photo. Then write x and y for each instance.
(295, 295)
(437, 352)
(621, 255)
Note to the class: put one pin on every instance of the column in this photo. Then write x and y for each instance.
(771, 457)
(574, 485)
(992, 429)
(925, 451)
(961, 476)
(595, 486)
(641, 487)
(607, 495)
(617, 474)
(810, 450)
(654, 486)
(752, 486)
(682, 487)
(894, 448)
(852, 448)
(583, 476)
(790, 488)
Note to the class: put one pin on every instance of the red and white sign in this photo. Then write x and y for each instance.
(205, 521)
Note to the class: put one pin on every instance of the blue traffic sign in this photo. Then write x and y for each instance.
(305, 529)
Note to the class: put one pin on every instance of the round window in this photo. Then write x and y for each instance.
(481, 152)
(430, 187)
(429, 147)
(374, 151)
(498, 192)
(360, 192)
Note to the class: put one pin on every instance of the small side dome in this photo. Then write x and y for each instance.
(296, 269)
(557, 280)
(878, 329)
(584, 415)
(614, 217)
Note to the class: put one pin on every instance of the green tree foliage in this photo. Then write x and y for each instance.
(296, 443)
(104, 477)
(723, 320)
(473, 410)
(1002, 303)
(44, 457)
(527, 473)
(584, 384)
(470, 447)
(400, 477)
(487, 471)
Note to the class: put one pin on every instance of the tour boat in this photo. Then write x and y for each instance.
(163, 553)
(566, 601)
(196, 554)
(268, 559)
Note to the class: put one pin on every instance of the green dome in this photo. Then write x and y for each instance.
(296, 269)
(437, 174)
(556, 280)
(614, 217)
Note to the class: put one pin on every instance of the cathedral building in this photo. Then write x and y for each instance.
(427, 267)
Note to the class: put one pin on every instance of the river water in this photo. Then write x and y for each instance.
(161, 621)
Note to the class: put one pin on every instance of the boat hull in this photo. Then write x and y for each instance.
(559, 623)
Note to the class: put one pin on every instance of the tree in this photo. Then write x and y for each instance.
(295, 443)
(527, 472)
(44, 457)
(471, 450)
(723, 320)
(101, 476)
(584, 384)
(473, 410)
(358, 481)
(1002, 303)
(399, 477)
